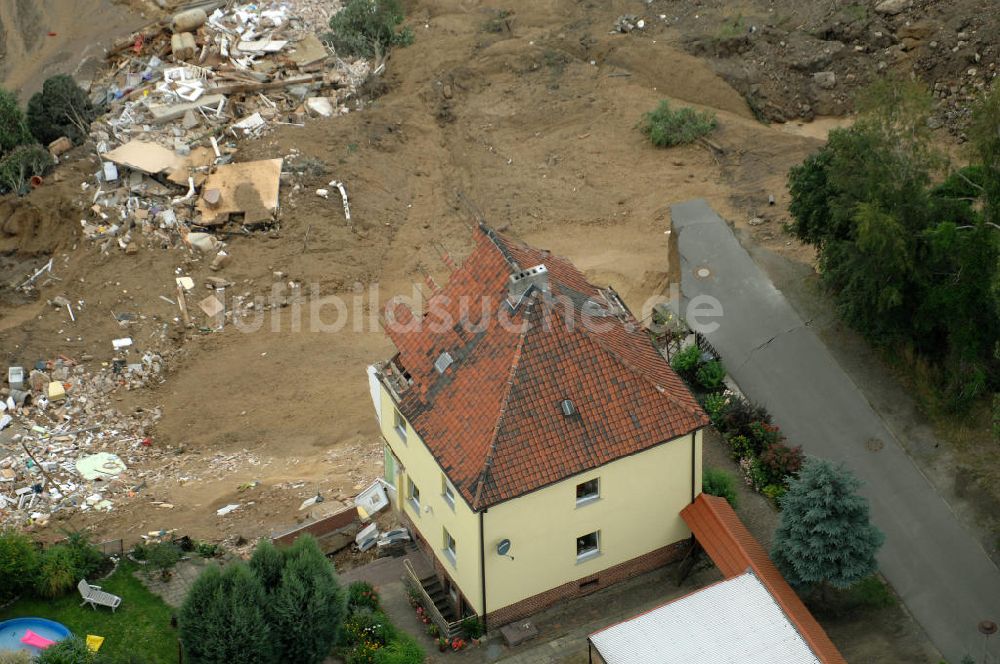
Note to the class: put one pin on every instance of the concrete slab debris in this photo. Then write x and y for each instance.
(145, 156)
(249, 188)
(100, 466)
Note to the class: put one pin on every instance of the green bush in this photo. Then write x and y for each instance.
(404, 649)
(472, 627)
(780, 462)
(762, 436)
(266, 563)
(162, 557)
(60, 109)
(57, 573)
(362, 594)
(774, 493)
(740, 447)
(13, 127)
(18, 562)
(207, 549)
(23, 162)
(87, 558)
(364, 27)
(306, 610)
(740, 414)
(222, 620)
(667, 127)
(716, 405)
(73, 650)
(686, 361)
(717, 482)
(753, 474)
(711, 374)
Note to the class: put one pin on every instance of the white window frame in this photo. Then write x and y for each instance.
(447, 491)
(399, 424)
(589, 553)
(586, 500)
(413, 500)
(449, 549)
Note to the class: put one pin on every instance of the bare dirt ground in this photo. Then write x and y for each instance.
(530, 123)
(40, 38)
(518, 126)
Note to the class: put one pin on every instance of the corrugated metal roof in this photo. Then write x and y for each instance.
(733, 550)
(733, 621)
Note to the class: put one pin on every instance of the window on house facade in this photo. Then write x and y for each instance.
(588, 546)
(414, 497)
(390, 465)
(399, 423)
(588, 491)
(447, 492)
(449, 547)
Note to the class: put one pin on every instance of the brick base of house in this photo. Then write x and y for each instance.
(588, 584)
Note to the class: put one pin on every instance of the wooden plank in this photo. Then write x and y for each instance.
(168, 112)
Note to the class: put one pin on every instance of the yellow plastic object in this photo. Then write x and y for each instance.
(94, 642)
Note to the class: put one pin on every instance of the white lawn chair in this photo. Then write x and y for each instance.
(93, 595)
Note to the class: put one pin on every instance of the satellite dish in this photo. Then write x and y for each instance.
(503, 547)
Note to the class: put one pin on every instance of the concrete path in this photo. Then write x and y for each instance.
(942, 573)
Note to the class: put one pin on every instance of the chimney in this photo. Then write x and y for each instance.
(520, 283)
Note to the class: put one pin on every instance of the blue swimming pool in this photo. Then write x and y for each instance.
(11, 632)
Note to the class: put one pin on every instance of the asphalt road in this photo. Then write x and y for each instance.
(945, 578)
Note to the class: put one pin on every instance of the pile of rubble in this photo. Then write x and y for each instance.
(182, 97)
(63, 447)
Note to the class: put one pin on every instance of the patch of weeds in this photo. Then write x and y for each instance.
(730, 28)
(499, 22)
(667, 127)
(352, 148)
(366, 27)
(305, 165)
(873, 593)
(717, 482)
(755, 107)
(856, 12)
(556, 61)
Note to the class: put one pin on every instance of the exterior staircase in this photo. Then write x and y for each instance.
(436, 601)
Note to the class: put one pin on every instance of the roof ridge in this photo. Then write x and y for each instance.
(500, 243)
(488, 462)
(636, 370)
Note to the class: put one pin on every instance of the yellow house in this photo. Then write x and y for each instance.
(540, 447)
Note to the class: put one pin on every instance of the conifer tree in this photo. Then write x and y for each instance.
(825, 537)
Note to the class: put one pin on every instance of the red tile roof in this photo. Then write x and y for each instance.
(734, 550)
(492, 419)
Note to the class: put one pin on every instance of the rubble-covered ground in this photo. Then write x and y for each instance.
(798, 60)
(520, 112)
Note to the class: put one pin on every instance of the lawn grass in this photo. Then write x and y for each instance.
(141, 625)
